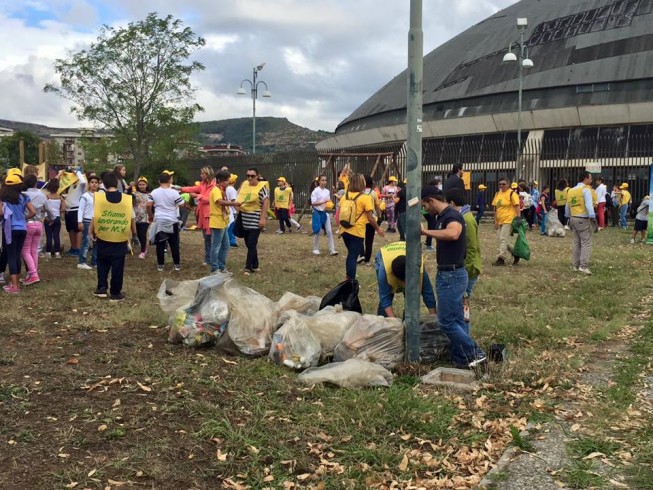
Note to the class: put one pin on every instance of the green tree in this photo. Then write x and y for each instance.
(134, 80)
(10, 148)
(53, 153)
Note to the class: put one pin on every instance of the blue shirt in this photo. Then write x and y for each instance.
(18, 221)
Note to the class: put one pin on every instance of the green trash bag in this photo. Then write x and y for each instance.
(521, 248)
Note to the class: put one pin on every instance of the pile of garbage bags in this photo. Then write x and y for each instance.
(293, 332)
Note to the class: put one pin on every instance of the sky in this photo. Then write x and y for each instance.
(323, 58)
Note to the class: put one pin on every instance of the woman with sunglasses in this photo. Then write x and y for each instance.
(254, 200)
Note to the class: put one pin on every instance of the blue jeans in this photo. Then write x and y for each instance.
(232, 237)
(219, 248)
(450, 287)
(623, 211)
(354, 246)
(86, 243)
(471, 282)
(543, 219)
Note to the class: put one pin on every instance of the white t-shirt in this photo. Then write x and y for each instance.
(600, 193)
(320, 195)
(166, 201)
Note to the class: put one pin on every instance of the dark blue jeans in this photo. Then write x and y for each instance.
(450, 287)
(86, 243)
(354, 246)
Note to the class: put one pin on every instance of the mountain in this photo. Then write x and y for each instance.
(273, 134)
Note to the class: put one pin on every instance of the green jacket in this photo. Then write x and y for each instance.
(473, 262)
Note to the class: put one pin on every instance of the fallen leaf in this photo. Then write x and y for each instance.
(303, 476)
(252, 450)
(268, 478)
(102, 428)
(618, 484)
(116, 403)
(221, 456)
(63, 455)
(227, 361)
(139, 474)
(403, 466)
(72, 484)
(405, 437)
(91, 473)
(575, 427)
(593, 455)
(143, 387)
(72, 360)
(117, 483)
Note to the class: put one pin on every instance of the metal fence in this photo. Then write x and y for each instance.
(546, 160)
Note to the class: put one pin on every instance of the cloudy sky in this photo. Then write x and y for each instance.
(323, 57)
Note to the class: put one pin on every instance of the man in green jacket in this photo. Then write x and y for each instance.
(473, 262)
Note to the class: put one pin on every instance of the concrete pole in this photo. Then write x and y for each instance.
(414, 174)
(254, 112)
(520, 62)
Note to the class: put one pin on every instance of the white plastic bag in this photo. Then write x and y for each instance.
(553, 225)
(294, 345)
(329, 326)
(291, 301)
(353, 373)
(375, 339)
(173, 295)
(252, 319)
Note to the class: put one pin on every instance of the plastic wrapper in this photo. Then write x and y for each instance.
(375, 339)
(353, 373)
(307, 306)
(252, 320)
(173, 295)
(329, 326)
(553, 225)
(295, 346)
(433, 343)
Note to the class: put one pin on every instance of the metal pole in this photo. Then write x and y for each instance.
(520, 61)
(414, 186)
(254, 112)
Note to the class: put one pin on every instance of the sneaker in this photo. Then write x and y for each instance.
(500, 261)
(567, 227)
(100, 293)
(234, 245)
(159, 268)
(360, 260)
(2, 277)
(85, 267)
(11, 289)
(141, 255)
(367, 264)
(632, 241)
(116, 297)
(299, 227)
(258, 269)
(247, 272)
(316, 252)
(576, 268)
(31, 280)
(279, 232)
(73, 252)
(585, 271)
(477, 363)
(333, 253)
(57, 255)
(515, 260)
(177, 267)
(429, 248)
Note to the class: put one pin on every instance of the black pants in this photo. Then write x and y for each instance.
(369, 242)
(53, 235)
(114, 264)
(173, 240)
(251, 242)
(14, 250)
(141, 233)
(284, 219)
(529, 215)
(401, 226)
(561, 216)
(430, 222)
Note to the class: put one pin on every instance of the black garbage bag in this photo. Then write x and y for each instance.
(433, 343)
(346, 294)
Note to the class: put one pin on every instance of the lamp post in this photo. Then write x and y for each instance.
(523, 61)
(254, 90)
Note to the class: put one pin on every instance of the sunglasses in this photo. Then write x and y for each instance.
(251, 176)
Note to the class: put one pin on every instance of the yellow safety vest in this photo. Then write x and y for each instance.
(561, 196)
(282, 197)
(388, 254)
(577, 201)
(248, 197)
(112, 222)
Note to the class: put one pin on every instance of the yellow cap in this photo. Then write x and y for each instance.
(623, 186)
(15, 171)
(14, 179)
(142, 178)
(281, 179)
(482, 187)
(535, 182)
(392, 178)
(168, 172)
(514, 185)
(233, 178)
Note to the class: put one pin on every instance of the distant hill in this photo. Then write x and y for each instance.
(273, 134)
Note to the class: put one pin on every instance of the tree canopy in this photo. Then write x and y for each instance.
(10, 148)
(135, 81)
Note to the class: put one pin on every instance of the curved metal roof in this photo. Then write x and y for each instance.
(572, 42)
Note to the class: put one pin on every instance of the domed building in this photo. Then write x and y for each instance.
(587, 101)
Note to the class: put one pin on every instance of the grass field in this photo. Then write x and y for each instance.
(93, 396)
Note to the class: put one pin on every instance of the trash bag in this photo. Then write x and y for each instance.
(346, 294)
(553, 225)
(294, 345)
(173, 295)
(521, 248)
(329, 326)
(352, 373)
(373, 338)
(307, 306)
(433, 343)
(252, 319)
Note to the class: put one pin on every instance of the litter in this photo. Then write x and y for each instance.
(173, 295)
(329, 326)
(291, 301)
(434, 343)
(375, 339)
(294, 345)
(352, 373)
(553, 225)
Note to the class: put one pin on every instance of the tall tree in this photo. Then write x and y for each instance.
(10, 148)
(134, 80)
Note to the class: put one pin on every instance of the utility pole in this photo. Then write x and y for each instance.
(414, 175)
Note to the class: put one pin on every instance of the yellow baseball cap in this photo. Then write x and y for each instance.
(623, 186)
(14, 179)
(392, 179)
(142, 178)
(281, 179)
(514, 185)
(168, 172)
(535, 182)
(233, 178)
(482, 187)
(15, 171)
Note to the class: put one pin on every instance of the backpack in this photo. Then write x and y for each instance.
(348, 216)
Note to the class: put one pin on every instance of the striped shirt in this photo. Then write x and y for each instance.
(251, 220)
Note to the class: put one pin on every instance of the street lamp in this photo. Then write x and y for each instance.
(523, 62)
(254, 89)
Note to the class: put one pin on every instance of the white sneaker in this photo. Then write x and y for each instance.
(279, 232)
(333, 253)
(585, 271)
(316, 252)
(575, 269)
(57, 255)
(632, 240)
(566, 227)
(85, 267)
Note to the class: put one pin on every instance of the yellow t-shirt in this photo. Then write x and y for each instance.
(363, 204)
(504, 203)
(219, 215)
(283, 197)
(624, 198)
